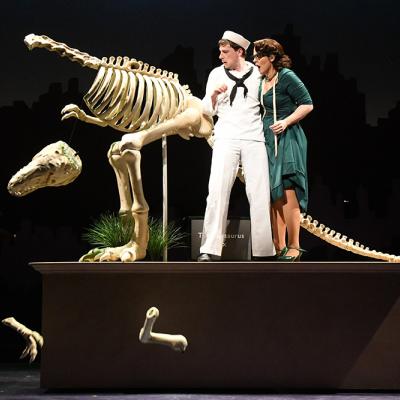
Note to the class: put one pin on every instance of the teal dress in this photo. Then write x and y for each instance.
(289, 168)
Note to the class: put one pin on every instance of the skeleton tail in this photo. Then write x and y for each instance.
(341, 241)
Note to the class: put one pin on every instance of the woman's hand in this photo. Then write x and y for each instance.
(279, 126)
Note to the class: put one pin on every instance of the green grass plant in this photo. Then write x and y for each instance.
(110, 230)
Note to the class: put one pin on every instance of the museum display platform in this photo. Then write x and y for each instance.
(249, 325)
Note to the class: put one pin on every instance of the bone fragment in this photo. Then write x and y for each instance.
(146, 335)
(32, 338)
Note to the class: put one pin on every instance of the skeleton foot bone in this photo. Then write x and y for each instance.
(176, 342)
(128, 253)
(32, 338)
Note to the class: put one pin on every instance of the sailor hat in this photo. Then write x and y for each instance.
(236, 38)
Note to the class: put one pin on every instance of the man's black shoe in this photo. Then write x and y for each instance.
(204, 257)
(265, 258)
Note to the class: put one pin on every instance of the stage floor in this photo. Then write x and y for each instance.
(21, 382)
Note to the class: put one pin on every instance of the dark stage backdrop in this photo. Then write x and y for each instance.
(345, 52)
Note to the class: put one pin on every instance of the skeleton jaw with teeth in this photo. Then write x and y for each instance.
(55, 165)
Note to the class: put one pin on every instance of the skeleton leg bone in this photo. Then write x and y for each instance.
(122, 175)
(146, 335)
(128, 165)
(125, 213)
(32, 338)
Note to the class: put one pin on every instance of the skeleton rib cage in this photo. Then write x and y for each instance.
(131, 100)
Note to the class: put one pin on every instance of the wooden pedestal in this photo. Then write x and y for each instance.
(249, 325)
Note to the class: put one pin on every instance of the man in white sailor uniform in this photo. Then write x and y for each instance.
(232, 95)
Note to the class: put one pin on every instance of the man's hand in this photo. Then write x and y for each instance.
(217, 91)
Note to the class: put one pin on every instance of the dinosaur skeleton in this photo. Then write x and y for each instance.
(146, 104)
(32, 338)
(146, 335)
(55, 165)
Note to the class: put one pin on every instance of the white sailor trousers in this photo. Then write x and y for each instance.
(227, 154)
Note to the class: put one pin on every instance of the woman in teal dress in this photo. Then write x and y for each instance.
(286, 144)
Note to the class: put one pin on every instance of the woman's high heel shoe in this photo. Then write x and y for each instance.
(281, 252)
(287, 258)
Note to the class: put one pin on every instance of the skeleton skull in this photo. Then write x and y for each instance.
(55, 165)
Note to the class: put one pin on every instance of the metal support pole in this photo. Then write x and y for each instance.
(165, 193)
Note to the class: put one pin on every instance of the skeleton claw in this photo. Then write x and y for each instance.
(72, 110)
(101, 255)
(92, 255)
(69, 115)
(33, 339)
(69, 107)
(30, 350)
(126, 253)
(108, 255)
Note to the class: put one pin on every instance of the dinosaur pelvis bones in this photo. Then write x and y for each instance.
(133, 100)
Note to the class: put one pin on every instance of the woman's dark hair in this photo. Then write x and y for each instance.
(268, 47)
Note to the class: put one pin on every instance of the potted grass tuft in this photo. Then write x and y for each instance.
(109, 230)
(173, 238)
